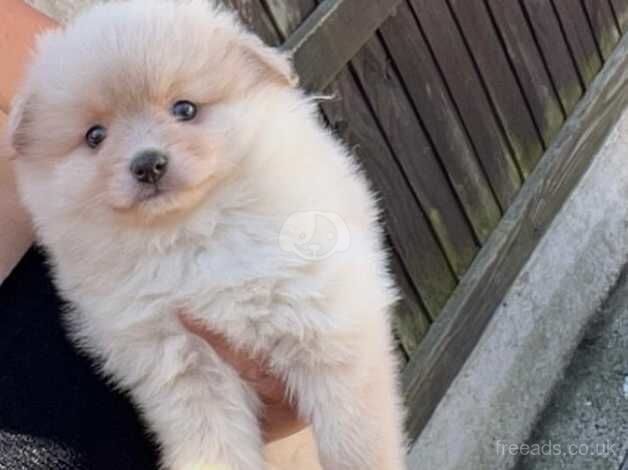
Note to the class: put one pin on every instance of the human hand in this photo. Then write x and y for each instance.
(279, 418)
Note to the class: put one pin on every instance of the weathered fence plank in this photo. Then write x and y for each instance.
(620, 8)
(289, 15)
(389, 102)
(580, 38)
(407, 226)
(411, 321)
(332, 35)
(603, 24)
(550, 39)
(528, 64)
(440, 118)
(468, 92)
(455, 333)
(501, 82)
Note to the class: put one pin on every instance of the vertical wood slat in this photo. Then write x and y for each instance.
(580, 38)
(529, 66)
(430, 97)
(407, 226)
(603, 24)
(558, 60)
(475, 111)
(620, 8)
(390, 105)
(501, 82)
(410, 322)
(467, 90)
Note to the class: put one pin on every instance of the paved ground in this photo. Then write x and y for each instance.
(588, 413)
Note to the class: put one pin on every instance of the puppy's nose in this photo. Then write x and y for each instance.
(149, 166)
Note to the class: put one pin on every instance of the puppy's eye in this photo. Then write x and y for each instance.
(184, 110)
(95, 136)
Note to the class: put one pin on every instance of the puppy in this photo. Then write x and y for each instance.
(170, 164)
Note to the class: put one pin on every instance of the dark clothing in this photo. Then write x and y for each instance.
(55, 412)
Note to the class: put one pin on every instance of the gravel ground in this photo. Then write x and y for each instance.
(588, 413)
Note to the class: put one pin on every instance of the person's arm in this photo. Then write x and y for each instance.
(15, 227)
(19, 25)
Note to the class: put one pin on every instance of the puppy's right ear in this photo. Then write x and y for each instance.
(19, 123)
(271, 64)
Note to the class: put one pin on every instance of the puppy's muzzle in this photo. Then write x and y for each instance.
(149, 166)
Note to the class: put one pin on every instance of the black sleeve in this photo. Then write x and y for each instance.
(55, 412)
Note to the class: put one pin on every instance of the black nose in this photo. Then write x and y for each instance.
(149, 166)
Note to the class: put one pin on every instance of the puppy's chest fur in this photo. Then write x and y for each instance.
(234, 277)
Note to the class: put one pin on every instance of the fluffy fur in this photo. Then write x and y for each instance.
(232, 235)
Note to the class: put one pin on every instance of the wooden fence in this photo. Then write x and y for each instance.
(450, 106)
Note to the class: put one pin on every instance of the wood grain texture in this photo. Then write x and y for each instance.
(501, 82)
(390, 104)
(456, 332)
(620, 8)
(332, 35)
(603, 23)
(580, 38)
(549, 37)
(489, 142)
(406, 223)
(411, 321)
(431, 98)
(289, 15)
(528, 64)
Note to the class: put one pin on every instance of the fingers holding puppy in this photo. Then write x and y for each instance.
(280, 418)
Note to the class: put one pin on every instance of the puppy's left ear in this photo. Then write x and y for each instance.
(271, 64)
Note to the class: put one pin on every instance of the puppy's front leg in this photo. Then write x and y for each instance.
(355, 414)
(204, 417)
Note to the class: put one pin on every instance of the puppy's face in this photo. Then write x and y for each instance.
(140, 109)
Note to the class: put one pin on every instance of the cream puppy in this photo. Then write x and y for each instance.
(170, 164)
